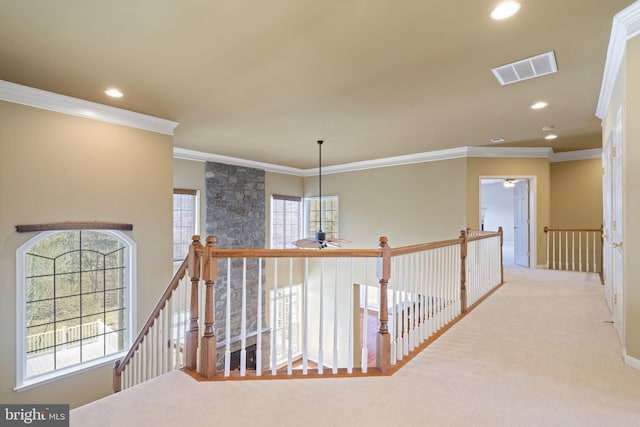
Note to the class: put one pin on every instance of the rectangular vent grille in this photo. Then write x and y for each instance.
(525, 69)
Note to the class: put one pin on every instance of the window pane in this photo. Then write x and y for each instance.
(81, 276)
(184, 224)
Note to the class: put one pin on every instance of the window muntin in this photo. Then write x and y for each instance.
(185, 221)
(74, 299)
(285, 221)
(288, 305)
(325, 217)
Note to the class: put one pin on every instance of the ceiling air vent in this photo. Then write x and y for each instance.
(536, 66)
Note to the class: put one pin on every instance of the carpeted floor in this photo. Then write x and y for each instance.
(539, 352)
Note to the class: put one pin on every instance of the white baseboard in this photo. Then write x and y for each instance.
(631, 361)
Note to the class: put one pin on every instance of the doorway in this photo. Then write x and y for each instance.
(508, 202)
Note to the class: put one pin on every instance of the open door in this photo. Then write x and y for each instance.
(616, 229)
(521, 223)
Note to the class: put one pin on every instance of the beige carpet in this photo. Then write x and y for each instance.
(539, 352)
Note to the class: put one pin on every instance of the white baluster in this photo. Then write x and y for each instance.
(548, 232)
(259, 322)
(553, 246)
(243, 322)
(595, 268)
(274, 320)
(227, 336)
(350, 323)
(573, 252)
(580, 249)
(335, 322)
(321, 325)
(290, 321)
(365, 331)
(587, 253)
(305, 326)
(392, 313)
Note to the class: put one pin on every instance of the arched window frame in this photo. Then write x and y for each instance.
(22, 382)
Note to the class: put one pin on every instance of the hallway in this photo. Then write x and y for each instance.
(538, 352)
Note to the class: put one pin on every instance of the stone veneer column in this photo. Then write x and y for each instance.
(235, 215)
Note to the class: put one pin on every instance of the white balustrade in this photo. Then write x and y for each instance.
(574, 249)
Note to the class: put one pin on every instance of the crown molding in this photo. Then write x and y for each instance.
(626, 25)
(37, 98)
(507, 152)
(199, 156)
(430, 156)
(595, 153)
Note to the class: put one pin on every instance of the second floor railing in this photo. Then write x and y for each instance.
(575, 249)
(261, 312)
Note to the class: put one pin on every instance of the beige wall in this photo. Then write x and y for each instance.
(631, 203)
(576, 194)
(486, 167)
(55, 168)
(409, 204)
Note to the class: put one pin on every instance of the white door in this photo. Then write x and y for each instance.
(607, 248)
(521, 223)
(616, 228)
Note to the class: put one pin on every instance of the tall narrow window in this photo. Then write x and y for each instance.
(285, 221)
(323, 216)
(74, 302)
(185, 221)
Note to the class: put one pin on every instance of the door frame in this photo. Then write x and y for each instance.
(533, 220)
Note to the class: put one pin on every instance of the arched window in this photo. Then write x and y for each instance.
(74, 302)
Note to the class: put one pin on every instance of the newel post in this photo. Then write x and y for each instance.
(463, 271)
(208, 354)
(383, 339)
(191, 339)
(117, 377)
(501, 259)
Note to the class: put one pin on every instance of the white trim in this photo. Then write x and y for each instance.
(595, 153)
(37, 98)
(429, 156)
(630, 361)
(199, 156)
(626, 25)
(23, 383)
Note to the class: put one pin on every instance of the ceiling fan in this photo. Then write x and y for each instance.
(320, 241)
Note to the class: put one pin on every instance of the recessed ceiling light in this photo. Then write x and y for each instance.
(505, 10)
(539, 105)
(496, 139)
(551, 136)
(548, 128)
(114, 93)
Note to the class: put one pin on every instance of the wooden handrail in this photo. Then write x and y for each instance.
(405, 250)
(120, 365)
(296, 253)
(547, 229)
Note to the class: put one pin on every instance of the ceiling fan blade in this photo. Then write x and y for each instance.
(339, 240)
(307, 243)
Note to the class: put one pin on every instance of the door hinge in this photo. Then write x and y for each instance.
(614, 225)
(613, 151)
(528, 222)
(527, 188)
(528, 253)
(615, 298)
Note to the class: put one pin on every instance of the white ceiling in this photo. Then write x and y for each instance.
(263, 80)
